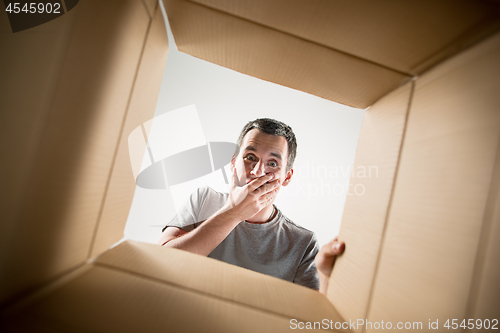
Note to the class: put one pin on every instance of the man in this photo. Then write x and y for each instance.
(243, 227)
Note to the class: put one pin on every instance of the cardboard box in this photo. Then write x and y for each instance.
(420, 243)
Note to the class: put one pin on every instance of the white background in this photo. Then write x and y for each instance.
(327, 134)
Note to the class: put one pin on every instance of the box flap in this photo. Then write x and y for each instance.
(401, 35)
(143, 287)
(218, 279)
(278, 56)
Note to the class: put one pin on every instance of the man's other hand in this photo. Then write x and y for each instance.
(325, 259)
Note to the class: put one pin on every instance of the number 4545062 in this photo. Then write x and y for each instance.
(34, 7)
(471, 324)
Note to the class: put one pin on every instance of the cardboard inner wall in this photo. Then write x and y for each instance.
(368, 29)
(433, 231)
(67, 146)
(151, 6)
(484, 294)
(278, 56)
(437, 245)
(28, 83)
(121, 188)
(364, 219)
(421, 242)
(351, 52)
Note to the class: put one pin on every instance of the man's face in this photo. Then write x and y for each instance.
(261, 153)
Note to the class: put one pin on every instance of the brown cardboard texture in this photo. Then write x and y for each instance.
(363, 224)
(438, 212)
(431, 244)
(351, 52)
(65, 145)
(144, 287)
(421, 243)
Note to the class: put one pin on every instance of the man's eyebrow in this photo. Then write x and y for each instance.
(277, 155)
(252, 148)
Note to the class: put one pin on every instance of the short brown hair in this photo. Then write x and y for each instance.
(273, 127)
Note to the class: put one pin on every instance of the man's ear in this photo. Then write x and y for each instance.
(288, 178)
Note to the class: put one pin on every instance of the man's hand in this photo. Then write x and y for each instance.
(243, 203)
(250, 199)
(325, 259)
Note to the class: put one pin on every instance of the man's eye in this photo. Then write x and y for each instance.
(272, 164)
(250, 157)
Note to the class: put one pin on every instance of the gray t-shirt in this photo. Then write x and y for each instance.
(279, 247)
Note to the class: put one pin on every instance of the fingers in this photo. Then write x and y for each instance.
(268, 188)
(258, 182)
(326, 257)
(268, 196)
(256, 194)
(334, 248)
(234, 179)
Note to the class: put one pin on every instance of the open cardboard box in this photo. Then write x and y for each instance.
(421, 242)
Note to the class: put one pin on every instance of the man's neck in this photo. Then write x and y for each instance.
(263, 216)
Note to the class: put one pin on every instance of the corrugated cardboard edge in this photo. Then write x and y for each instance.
(278, 57)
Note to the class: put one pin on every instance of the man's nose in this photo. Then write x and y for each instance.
(258, 169)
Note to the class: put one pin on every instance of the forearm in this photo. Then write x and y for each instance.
(205, 238)
(325, 259)
(243, 203)
(323, 283)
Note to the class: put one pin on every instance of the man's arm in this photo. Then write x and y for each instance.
(325, 259)
(170, 233)
(206, 237)
(243, 203)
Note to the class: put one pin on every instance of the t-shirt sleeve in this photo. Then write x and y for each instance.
(307, 274)
(187, 217)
